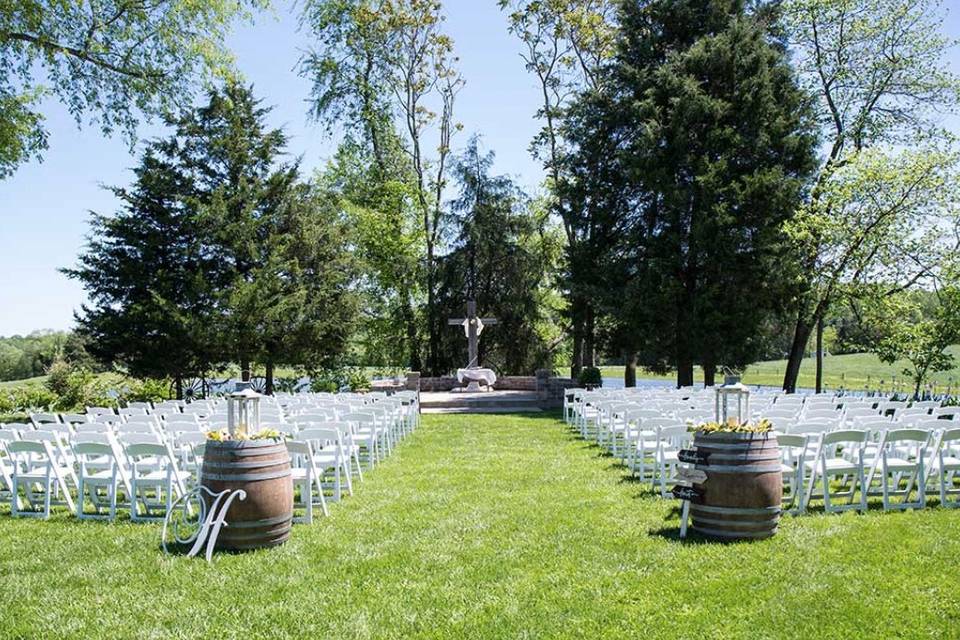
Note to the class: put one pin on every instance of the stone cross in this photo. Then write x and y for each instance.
(472, 327)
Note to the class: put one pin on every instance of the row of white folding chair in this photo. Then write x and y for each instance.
(146, 470)
(862, 456)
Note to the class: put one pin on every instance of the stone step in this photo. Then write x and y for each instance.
(501, 409)
(484, 402)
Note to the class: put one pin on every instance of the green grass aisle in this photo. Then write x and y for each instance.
(491, 527)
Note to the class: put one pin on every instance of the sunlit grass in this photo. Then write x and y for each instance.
(492, 527)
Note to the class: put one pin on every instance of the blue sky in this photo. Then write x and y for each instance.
(44, 207)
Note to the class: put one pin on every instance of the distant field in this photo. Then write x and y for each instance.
(853, 371)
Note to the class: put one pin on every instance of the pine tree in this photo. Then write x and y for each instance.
(220, 256)
(501, 257)
(144, 270)
(708, 147)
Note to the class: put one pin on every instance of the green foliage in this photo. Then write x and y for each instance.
(149, 390)
(75, 389)
(689, 160)
(386, 72)
(30, 356)
(357, 379)
(567, 45)
(26, 398)
(325, 382)
(220, 254)
(108, 63)
(590, 376)
(922, 342)
(503, 255)
(879, 72)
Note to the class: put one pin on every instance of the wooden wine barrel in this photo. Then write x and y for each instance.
(743, 491)
(262, 469)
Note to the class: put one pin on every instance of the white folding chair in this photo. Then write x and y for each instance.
(155, 480)
(903, 455)
(36, 467)
(99, 468)
(39, 419)
(840, 453)
(793, 453)
(306, 476)
(329, 454)
(670, 440)
(946, 467)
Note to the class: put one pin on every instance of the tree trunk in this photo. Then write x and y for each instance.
(178, 386)
(819, 384)
(684, 357)
(801, 335)
(709, 374)
(414, 363)
(576, 364)
(630, 371)
(268, 387)
(245, 369)
(433, 337)
(589, 341)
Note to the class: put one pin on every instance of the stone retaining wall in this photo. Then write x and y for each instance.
(549, 389)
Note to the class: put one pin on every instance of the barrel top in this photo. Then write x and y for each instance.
(727, 436)
(243, 444)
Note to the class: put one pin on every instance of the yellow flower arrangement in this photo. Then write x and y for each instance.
(732, 425)
(222, 435)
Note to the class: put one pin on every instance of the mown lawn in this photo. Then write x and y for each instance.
(492, 527)
(850, 371)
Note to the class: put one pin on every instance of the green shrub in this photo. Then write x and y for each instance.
(357, 379)
(27, 398)
(58, 375)
(82, 389)
(590, 376)
(149, 390)
(286, 385)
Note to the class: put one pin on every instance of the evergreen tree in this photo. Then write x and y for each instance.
(220, 256)
(145, 272)
(501, 257)
(704, 149)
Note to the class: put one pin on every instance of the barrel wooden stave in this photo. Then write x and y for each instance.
(744, 486)
(262, 470)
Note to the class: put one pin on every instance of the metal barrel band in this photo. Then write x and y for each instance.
(732, 446)
(242, 453)
(264, 522)
(241, 445)
(737, 510)
(746, 468)
(246, 477)
(223, 464)
(773, 455)
(736, 523)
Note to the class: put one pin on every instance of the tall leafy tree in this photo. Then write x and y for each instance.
(376, 194)
(566, 45)
(231, 160)
(108, 61)
(706, 147)
(878, 69)
(384, 67)
(501, 256)
(220, 256)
